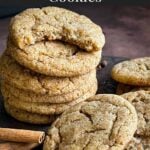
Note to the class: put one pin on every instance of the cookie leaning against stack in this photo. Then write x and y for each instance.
(49, 63)
(103, 122)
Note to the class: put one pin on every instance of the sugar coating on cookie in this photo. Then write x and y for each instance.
(53, 23)
(133, 72)
(141, 102)
(26, 79)
(102, 122)
(55, 58)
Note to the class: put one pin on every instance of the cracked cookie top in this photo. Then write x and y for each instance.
(55, 58)
(26, 79)
(102, 122)
(53, 23)
(141, 102)
(133, 72)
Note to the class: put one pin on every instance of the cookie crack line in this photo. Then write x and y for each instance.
(86, 145)
(42, 86)
(86, 115)
(112, 127)
(147, 67)
(118, 131)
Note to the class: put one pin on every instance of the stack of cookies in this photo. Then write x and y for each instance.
(134, 85)
(49, 63)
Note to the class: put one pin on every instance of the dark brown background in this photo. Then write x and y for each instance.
(127, 28)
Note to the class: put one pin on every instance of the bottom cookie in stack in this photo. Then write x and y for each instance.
(22, 108)
(28, 117)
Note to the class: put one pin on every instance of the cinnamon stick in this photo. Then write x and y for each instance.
(19, 135)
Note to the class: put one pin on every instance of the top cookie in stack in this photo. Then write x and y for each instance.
(49, 63)
(34, 36)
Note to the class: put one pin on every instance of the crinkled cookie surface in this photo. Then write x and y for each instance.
(102, 122)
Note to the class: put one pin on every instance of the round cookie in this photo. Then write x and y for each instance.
(47, 108)
(102, 122)
(28, 117)
(8, 90)
(141, 102)
(133, 72)
(53, 23)
(55, 58)
(124, 88)
(26, 79)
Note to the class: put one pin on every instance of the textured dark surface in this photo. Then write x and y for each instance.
(105, 83)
